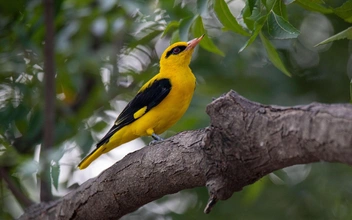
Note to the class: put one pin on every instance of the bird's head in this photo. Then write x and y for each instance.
(179, 53)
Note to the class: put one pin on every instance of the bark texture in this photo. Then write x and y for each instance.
(245, 141)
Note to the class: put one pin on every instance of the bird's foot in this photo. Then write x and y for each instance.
(156, 139)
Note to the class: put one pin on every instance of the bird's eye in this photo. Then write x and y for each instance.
(176, 50)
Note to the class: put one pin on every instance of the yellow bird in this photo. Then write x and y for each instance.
(158, 105)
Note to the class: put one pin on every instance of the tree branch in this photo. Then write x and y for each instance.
(49, 108)
(244, 142)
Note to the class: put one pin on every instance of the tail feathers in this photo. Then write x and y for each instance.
(91, 157)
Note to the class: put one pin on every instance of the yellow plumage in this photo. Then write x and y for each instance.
(158, 105)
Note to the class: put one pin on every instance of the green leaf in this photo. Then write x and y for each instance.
(273, 55)
(246, 13)
(55, 173)
(258, 25)
(224, 15)
(251, 13)
(279, 28)
(280, 9)
(277, 6)
(146, 39)
(345, 11)
(185, 25)
(173, 25)
(342, 35)
(206, 42)
(175, 37)
(313, 6)
(251, 4)
(202, 6)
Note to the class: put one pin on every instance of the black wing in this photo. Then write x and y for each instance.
(150, 97)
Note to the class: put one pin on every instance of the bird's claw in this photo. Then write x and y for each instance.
(157, 138)
(153, 142)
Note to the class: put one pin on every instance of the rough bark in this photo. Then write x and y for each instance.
(244, 142)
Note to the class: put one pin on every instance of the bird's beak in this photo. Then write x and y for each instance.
(193, 43)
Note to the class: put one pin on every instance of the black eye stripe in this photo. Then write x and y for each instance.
(175, 50)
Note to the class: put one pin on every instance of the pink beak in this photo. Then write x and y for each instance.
(193, 43)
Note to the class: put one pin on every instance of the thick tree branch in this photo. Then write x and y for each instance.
(244, 142)
(255, 140)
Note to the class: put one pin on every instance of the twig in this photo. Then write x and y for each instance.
(16, 191)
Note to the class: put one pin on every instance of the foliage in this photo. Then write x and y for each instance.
(106, 49)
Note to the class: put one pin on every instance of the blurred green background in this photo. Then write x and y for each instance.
(106, 49)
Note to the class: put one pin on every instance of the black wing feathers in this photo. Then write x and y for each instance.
(150, 97)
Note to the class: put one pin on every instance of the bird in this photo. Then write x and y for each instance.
(158, 104)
